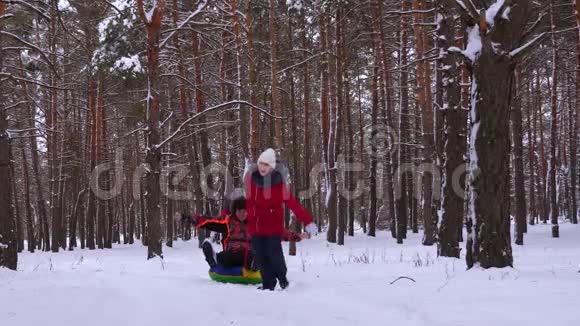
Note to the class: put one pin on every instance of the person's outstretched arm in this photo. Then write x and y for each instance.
(301, 213)
(215, 224)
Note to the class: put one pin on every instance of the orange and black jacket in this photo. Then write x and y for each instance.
(236, 237)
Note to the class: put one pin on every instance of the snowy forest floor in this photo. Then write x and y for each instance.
(330, 285)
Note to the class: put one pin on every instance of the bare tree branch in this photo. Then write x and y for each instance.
(214, 108)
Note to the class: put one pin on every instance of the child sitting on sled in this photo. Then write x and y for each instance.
(235, 238)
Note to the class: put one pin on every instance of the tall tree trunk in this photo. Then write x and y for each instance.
(306, 103)
(350, 138)
(101, 203)
(574, 125)
(332, 197)
(273, 75)
(401, 179)
(374, 152)
(8, 245)
(52, 147)
(425, 103)
(489, 240)
(109, 176)
(531, 157)
(18, 223)
(242, 114)
(8, 237)
(543, 169)
(454, 148)
(554, 130)
(364, 209)
(27, 204)
(153, 152)
(142, 216)
(339, 126)
(91, 205)
(79, 206)
(520, 192)
(388, 105)
(44, 238)
(200, 107)
(254, 118)
(294, 226)
(324, 104)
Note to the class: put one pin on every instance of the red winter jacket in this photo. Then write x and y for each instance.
(264, 198)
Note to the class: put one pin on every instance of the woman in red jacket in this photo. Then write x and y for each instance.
(266, 190)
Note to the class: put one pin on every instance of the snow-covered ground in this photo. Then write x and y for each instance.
(330, 285)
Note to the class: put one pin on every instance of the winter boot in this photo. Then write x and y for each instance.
(209, 254)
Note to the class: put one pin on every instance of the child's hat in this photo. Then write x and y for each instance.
(237, 204)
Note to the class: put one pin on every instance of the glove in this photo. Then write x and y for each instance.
(312, 229)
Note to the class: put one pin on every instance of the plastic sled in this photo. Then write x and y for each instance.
(236, 275)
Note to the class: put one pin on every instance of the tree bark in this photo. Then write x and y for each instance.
(338, 126)
(520, 192)
(454, 147)
(373, 154)
(489, 240)
(153, 152)
(401, 179)
(52, 147)
(273, 75)
(91, 205)
(574, 124)
(531, 157)
(8, 243)
(553, 191)
(17, 217)
(27, 204)
(100, 203)
(543, 169)
(8, 237)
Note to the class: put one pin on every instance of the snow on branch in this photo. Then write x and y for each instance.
(32, 81)
(32, 7)
(408, 12)
(468, 9)
(200, 7)
(537, 24)
(64, 6)
(529, 45)
(14, 131)
(300, 63)
(114, 7)
(167, 119)
(31, 46)
(214, 108)
(494, 10)
(151, 17)
(15, 105)
(135, 131)
(474, 45)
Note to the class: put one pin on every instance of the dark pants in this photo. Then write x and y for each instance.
(269, 256)
(227, 259)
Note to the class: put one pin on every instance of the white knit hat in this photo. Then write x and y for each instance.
(268, 157)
